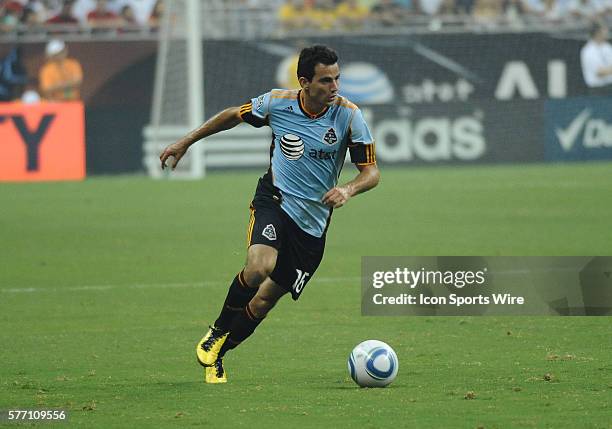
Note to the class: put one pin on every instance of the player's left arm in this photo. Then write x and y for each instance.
(368, 178)
(363, 154)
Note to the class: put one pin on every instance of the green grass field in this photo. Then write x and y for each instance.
(106, 285)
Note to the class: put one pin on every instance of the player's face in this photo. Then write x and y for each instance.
(325, 83)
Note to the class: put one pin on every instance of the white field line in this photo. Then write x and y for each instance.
(153, 286)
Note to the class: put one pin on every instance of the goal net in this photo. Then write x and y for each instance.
(178, 104)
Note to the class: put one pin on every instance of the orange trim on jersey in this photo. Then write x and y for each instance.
(370, 153)
(343, 102)
(245, 108)
(284, 91)
(250, 227)
(287, 93)
(305, 111)
(289, 97)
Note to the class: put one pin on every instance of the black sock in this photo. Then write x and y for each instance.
(238, 296)
(242, 327)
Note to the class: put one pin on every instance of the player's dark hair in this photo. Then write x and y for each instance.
(310, 57)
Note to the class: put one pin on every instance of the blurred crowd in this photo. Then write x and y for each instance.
(350, 14)
(102, 15)
(337, 15)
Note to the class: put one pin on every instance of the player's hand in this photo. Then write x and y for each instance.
(175, 150)
(336, 197)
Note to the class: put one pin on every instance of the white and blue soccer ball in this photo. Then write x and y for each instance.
(373, 363)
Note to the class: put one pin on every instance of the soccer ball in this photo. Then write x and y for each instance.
(373, 363)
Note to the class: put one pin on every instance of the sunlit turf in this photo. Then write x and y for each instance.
(106, 285)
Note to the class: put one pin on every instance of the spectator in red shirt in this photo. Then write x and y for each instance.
(102, 17)
(65, 16)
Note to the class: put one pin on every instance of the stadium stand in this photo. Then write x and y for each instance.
(256, 18)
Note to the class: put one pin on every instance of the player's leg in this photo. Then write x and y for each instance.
(261, 260)
(260, 263)
(295, 265)
(245, 324)
(253, 314)
(264, 237)
(267, 296)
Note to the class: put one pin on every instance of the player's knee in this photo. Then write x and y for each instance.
(260, 264)
(255, 274)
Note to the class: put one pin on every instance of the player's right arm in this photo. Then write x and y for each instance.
(254, 112)
(223, 120)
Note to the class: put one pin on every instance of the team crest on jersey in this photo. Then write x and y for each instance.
(330, 137)
(269, 232)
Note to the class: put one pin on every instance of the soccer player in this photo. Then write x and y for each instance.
(312, 130)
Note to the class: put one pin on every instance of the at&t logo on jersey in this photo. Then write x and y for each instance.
(292, 147)
(322, 154)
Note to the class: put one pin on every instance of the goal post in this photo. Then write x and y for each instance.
(178, 94)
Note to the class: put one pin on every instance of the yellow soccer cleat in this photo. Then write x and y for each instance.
(216, 374)
(207, 350)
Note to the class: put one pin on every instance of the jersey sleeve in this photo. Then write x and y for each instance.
(361, 142)
(256, 111)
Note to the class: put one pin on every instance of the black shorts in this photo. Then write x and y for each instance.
(299, 253)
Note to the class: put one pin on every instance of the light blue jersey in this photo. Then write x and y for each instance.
(308, 151)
